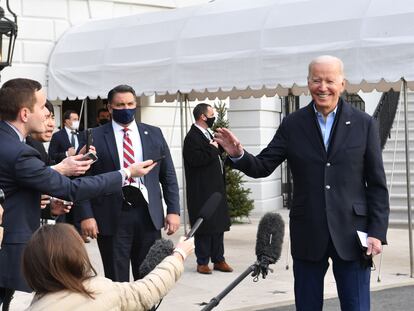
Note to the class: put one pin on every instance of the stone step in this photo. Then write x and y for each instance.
(400, 199)
(399, 187)
(400, 143)
(399, 216)
(401, 132)
(399, 224)
(388, 153)
(398, 165)
(398, 176)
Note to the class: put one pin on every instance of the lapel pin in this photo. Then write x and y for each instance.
(348, 122)
(145, 132)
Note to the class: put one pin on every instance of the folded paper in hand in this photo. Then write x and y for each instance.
(362, 238)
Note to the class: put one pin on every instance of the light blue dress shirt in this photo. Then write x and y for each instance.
(326, 125)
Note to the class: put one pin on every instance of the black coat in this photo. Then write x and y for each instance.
(204, 176)
(335, 192)
(40, 148)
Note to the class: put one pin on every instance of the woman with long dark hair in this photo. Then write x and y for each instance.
(62, 276)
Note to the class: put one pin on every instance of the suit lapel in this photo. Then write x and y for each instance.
(111, 144)
(146, 143)
(145, 140)
(341, 129)
(66, 141)
(197, 131)
(311, 129)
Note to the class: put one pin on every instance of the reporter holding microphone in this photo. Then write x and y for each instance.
(63, 278)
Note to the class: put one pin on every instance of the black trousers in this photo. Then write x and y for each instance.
(209, 246)
(6, 296)
(134, 236)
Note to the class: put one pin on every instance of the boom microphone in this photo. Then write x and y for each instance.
(268, 249)
(158, 251)
(206, 211)
(269, 239)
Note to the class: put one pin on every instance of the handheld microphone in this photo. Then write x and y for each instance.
(206, 211)
(158, 251)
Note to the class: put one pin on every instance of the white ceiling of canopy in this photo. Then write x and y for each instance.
(236, 48)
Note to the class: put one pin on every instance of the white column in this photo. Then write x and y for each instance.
(254, 122)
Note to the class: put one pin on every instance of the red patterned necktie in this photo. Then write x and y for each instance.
(129, 157)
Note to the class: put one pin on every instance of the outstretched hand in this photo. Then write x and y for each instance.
(73, 166)
(229, 142)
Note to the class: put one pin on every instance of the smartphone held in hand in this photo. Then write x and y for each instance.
(90, 156)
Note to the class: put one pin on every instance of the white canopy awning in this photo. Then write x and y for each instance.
(236, 48)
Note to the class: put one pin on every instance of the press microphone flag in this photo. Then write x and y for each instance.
(206, 211)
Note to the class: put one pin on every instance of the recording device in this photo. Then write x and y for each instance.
(2, 196)
(90, 156)
(158, 251)
(206, 211)
(89, 139)
(268, 249)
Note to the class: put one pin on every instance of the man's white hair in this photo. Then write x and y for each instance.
(323, 59)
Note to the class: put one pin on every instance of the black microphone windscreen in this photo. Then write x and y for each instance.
(269, 238)
(158, 251)
(210, 205)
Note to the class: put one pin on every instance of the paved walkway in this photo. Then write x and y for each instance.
(194, 289)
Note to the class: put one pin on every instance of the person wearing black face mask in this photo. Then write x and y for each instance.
(103, 117)
(204, 174)
(127, 225)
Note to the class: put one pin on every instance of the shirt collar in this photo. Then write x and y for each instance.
(333, 112)
(69, 130)
(118, 128)
(21, 137)
(203, 130)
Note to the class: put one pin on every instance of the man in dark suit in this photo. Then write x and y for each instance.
(204, 173)
(339, 187)
(127, 223)
(66, 142)
(23, 177)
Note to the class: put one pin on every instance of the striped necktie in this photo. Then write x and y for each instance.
(129, 157)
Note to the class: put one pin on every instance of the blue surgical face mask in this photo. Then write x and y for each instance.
(123, 116)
